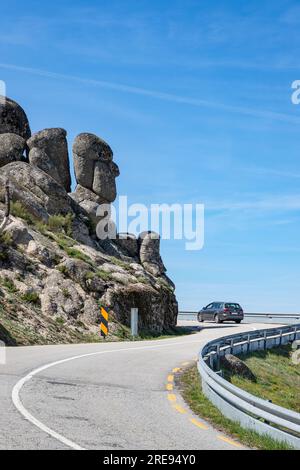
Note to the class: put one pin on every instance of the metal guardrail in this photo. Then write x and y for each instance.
(251, 412)
(295, 316)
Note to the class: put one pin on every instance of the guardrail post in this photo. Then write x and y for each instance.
(295, 335)
(231, 346)
(248, 343)
(211, 361)
(218, 356)
(265, 340)
(280, 337)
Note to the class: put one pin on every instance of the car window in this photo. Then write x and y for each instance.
(232, 305)
(208, 306)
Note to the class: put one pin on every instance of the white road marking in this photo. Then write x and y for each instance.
(59, 437)
(19, 385)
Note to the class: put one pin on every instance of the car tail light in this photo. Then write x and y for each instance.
(226, 309)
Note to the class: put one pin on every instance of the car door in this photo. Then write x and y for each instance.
(207, 312)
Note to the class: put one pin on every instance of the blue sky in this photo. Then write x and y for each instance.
(195, 99)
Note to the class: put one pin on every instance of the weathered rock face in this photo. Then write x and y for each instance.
(129, 243)
(53, 143)
(237, 366)
(161, 315)
(63, 267)
(13, 119)
(40, 159)
(12, 147)
(40, 194)
(149, 253)
(95, 174)
(87, 150)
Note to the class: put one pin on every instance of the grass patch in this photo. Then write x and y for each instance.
(121, 263)
(8, 284)
(278, 379)
(60, 223)
(73, 253)
(31, 298)
(18, 210)
(193, 395)
(103, 275)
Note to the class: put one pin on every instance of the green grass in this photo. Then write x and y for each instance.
(103, 275)
(278, 379)
(31, 297)
(193, 395)
(8, 284)
(18, 210)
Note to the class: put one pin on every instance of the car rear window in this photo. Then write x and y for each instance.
(232, 306)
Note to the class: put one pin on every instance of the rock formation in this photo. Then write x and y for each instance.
(13, 119)
(53, 143)
(49, 251)
(12, 148)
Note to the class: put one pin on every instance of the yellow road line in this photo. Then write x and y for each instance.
(229, 441)
(171, 397)
(170, 378)
(179, 409)
(198, 423)
(169, 387)
(176, 369)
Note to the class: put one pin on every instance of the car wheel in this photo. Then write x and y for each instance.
(217, 319)
(200, 319)
(238, 321)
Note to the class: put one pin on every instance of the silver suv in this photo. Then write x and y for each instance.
(221, 311)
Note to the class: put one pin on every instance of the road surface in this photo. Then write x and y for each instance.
(105, 396)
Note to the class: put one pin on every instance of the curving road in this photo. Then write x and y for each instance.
(105, 396)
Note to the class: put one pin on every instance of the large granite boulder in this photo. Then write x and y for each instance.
(53, 142)
(13, 119)
(150, 253)
(129, 243)
(87, 150)
(40, 194)
(95, 174)
(94, 168)
(38, 157)
(12, 147)
(236, 366)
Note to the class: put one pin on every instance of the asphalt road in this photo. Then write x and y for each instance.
(114, 396)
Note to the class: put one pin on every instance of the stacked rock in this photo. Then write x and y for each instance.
(95, 173)
(14, 131)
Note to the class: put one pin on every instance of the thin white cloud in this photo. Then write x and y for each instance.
(269, 203)
(264, 114)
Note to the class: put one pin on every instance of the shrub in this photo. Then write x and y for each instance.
(73, 253)
(31, 297)
(60, 223)
(9, 284)
(18, 210)
(66, 293)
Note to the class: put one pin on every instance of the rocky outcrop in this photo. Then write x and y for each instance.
(13, 119)
(95, 173)
(40, 159)
(12, 148)
(53, 143)
(129, 243)
(157, 309)
(59, 266)
(40, 194)
(150, 253)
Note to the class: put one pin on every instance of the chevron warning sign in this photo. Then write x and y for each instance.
(104, 322)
